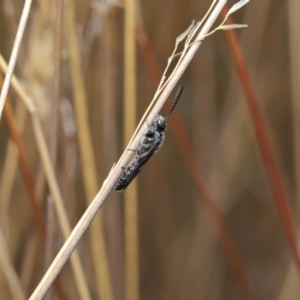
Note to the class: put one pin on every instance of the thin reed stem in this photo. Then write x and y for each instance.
(14, 54)
(9, 170)
(51, 179)
(131, 194)
(54, 120)
(9, 272)
(25, 169)
(53, 131)
(91, 185)
(265, 148)
(27, 176)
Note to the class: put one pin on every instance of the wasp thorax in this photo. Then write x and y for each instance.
(160, 123)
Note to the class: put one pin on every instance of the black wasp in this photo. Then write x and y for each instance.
(150, 143)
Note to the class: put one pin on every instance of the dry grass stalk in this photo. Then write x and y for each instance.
(131, 194)
(52, 182)
(14, 54)
(10, 165)
(97, 240)
(24, 167)
(54, 120)
(30, 252)
(53, 131)
(9, 272)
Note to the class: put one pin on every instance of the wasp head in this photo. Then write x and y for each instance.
(160, 123)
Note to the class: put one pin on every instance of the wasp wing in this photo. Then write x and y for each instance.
(137, 165)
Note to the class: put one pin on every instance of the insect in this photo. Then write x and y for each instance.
(149, 144)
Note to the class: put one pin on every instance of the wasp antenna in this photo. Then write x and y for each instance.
(176, 98)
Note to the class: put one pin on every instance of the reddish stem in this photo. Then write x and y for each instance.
(264, 144)
(219, 226)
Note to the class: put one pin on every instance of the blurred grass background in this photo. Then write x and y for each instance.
(178, 254)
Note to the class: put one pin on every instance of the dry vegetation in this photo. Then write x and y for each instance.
(209, 216)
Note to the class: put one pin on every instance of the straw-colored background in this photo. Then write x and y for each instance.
(168, 249)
